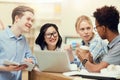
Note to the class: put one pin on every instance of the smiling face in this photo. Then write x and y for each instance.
(51, 37)
(24, 22)
(85, 30)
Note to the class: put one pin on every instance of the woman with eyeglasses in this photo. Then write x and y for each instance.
(49, 37)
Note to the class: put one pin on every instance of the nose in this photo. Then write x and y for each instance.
(85, 31)
(30, 22)
(52, 36)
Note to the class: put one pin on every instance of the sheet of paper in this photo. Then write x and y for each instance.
(85, 72)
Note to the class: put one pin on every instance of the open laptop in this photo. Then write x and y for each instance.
(53, 61)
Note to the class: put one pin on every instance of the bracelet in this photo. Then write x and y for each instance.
(84, 62)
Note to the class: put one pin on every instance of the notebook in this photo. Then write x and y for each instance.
(53, 61)
(92, 75)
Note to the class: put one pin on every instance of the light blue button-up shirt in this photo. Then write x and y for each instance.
(15, 49)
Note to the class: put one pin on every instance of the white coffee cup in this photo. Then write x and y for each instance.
(84, 49)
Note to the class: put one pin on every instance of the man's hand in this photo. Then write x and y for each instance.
(29, 60)
(13, 67)
(83, 55)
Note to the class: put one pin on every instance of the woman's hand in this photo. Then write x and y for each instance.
(68, 48)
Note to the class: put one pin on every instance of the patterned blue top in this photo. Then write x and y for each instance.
(15, 49)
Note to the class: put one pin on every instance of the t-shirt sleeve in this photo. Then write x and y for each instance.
(113, 56)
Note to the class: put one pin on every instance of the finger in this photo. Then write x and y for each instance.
(80, 57)
(29, 60)
(24, 67)
(21, 67)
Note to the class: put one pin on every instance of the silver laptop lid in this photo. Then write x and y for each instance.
(53, 61)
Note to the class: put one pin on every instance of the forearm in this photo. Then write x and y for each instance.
(2, 68)
(71, 56)
(91, 67)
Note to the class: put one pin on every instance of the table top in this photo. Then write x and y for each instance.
(37, 75)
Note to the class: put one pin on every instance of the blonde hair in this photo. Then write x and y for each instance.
(82, 18)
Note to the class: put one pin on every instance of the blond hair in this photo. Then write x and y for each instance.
(82, 18)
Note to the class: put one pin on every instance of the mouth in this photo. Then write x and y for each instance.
(53, 40)
(86, 36)
(29, 26)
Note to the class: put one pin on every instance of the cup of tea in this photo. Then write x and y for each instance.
(74, 45)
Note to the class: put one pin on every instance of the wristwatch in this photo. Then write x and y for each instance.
(84, 62)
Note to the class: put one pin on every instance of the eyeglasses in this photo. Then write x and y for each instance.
(49, 35)
(98, 26)
(95, 28)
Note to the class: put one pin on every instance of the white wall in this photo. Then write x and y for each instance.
(70, 10)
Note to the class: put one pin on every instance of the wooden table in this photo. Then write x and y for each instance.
(25, 75)
(36, 75)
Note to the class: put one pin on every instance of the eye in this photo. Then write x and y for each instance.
(82, 29)
(48, 34)
(54, 32)
(88, 28)
(29, 19)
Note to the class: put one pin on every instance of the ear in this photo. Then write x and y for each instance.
(76, 30)
(16, 18)
(104, 29)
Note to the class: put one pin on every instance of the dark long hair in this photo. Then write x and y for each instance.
(40, 39)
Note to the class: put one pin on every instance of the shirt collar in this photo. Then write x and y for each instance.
(114, 41)
(92, 40)
(83, 43)
(10, 33)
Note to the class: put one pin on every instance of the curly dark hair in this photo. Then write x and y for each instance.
(40, 39)
(108, 16)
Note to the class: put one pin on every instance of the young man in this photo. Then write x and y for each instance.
(13, 45)
(107, 20)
